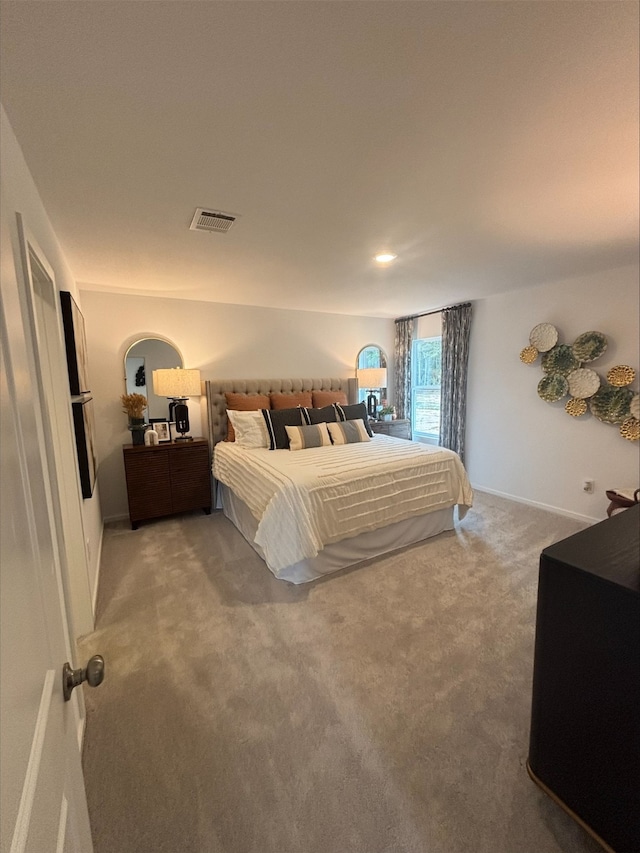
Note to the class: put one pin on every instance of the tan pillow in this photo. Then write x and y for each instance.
(290, 401)
(244, 403)
(326, 398)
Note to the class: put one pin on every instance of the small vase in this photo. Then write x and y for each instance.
(387, 417)
(137, 427)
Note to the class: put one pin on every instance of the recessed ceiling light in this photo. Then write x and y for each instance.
(385, 257)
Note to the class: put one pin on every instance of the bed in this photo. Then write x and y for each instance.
(313, 512)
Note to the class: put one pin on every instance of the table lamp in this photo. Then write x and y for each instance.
(373, 379)
(178, 385)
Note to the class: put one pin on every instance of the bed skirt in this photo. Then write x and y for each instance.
(348, 552)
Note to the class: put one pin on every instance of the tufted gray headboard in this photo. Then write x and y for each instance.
(217, 404)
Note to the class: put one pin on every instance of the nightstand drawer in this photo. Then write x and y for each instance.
(400, 428)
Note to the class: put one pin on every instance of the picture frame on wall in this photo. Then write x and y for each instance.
(83, 424)
(75, 342)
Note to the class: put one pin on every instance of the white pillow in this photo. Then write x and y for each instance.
(249, 427)
(348, 432)
(303, 437)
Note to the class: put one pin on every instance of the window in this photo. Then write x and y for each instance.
(426, 371)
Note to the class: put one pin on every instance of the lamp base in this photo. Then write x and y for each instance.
(372, 405)
(183, 438)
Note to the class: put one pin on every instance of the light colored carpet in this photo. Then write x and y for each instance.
(385, 708)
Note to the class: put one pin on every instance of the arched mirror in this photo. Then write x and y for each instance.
(140, 360)
(371, 382)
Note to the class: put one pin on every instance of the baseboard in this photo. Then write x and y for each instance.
(555, 509)
(109, 518)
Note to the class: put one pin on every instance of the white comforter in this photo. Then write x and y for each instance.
(304, 500)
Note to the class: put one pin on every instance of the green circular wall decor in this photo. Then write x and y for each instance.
(561, 359)
(589, 345)
(553, 387)
(611, 404)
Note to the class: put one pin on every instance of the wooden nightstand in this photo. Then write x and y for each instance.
(167, 478)
(400, 428)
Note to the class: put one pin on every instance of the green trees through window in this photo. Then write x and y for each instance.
(426, 374)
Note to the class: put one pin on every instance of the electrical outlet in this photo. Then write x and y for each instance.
(589, 486)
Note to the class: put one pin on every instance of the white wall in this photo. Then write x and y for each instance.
(224, 342)
(83, 527)
(520, 446)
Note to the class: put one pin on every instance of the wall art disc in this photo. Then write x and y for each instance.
(589, 345)
(543, 337)
(553, 387)
(560, 359)
(583, 382)
(529, 355)
(576, 406)
(630, 429)
(621, 375)
(634, 406)
(610, 404)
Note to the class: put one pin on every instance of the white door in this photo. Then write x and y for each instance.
(42, 798)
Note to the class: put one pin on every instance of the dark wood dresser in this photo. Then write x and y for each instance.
(171, 477)
(400, 428)
(585, 718)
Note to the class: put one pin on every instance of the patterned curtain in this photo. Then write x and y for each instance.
(402, 365)
(456, 327)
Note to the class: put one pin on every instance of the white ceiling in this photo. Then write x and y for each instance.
(492, 146)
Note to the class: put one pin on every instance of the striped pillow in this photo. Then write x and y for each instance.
(348, 432)
(351, 413)
(277, 420)
(303, 437)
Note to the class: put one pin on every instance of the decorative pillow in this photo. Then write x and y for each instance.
(303, 437)
(326, 398)
(244, 403)
(356, 412)
(288, 401)
(249, 428)
(277, 421)
(325, 415)
(348, 432)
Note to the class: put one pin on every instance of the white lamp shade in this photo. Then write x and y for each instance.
(372, 377)
(174, 382)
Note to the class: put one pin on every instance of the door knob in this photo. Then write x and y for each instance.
(93, 674)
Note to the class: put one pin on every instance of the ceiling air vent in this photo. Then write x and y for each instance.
(211, 220)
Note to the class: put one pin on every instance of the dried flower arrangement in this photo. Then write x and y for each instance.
(134, 405)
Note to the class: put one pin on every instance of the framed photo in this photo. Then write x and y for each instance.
(162, 428)
(172, 430)
(75, 345)
(85, 444)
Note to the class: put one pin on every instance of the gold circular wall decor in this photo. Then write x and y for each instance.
(575, 407)
(621, 375)
(529, 355)
(630, 429)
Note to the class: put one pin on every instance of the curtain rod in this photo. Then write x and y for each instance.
(437, 311)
